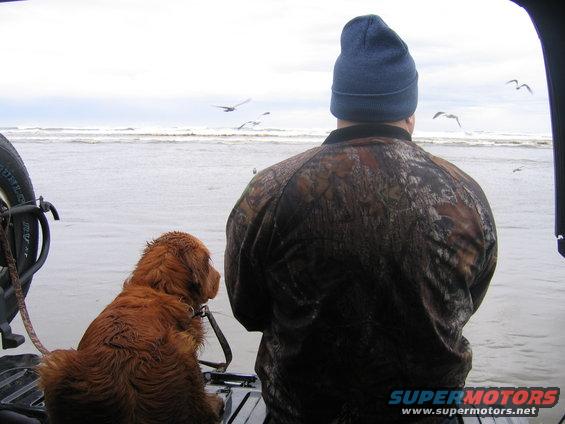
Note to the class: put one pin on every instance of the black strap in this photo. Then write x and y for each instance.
(219, 366)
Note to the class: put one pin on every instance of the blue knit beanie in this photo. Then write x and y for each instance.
(375, 78)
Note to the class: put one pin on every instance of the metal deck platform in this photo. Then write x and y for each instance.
(21, 401)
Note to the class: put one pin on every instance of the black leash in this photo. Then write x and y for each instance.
(204, 311)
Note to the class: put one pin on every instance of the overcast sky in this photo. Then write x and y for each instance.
(141, 63)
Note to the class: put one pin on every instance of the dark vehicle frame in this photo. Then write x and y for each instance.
(22, 402)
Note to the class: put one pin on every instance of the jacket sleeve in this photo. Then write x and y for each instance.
(479, 287)
(470, 242)
(248, 231)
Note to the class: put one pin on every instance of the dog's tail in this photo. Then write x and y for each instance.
(65, 377)
(54, 375)
(53, 368)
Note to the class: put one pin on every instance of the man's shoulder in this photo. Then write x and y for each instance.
(455, 172)
(276, 176)
(267, 186)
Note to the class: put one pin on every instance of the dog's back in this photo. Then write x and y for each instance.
(130, 370)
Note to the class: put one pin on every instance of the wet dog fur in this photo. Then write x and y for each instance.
(137, 361)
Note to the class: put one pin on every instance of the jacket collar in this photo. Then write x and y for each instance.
(367, 130)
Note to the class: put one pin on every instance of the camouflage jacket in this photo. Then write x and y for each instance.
(360, 261)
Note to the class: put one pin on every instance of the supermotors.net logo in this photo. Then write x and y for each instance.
(470, 401)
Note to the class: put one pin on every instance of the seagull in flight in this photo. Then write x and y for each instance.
(518, 169)
(232, 108)
(519, 86)
(448, 115)
(255, 122)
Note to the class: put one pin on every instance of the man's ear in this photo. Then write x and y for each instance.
(410, 123)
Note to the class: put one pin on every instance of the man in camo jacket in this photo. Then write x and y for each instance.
(360, 260)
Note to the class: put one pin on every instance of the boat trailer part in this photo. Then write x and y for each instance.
(9, 339)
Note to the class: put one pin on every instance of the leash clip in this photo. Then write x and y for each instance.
(201, 313)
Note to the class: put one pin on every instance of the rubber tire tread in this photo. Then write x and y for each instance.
(16, 184)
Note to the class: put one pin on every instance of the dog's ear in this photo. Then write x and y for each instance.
(212, 283)
(203, 277)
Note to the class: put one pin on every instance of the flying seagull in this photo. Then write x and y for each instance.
(519, 86)
(518, 169)
(232, 108)
(448, 115)
(255, 122)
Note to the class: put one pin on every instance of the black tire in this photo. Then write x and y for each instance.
(15, 189)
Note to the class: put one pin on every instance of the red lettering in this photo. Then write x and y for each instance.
(550, 397)
(520, 397)
(473, 397)
(505, 396)
(536, 397)
(490, 397)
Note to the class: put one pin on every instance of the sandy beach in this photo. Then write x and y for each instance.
(115, 193)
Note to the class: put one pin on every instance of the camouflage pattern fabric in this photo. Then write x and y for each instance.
(360, 261)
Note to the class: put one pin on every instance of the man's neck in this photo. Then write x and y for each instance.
(401, 124)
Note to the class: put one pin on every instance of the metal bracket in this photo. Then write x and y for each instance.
(9, 339)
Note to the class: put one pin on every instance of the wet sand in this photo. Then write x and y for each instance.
(113, 197)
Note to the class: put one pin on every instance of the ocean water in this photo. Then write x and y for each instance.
(116, 189)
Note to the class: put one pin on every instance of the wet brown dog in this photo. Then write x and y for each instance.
(137, 361)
